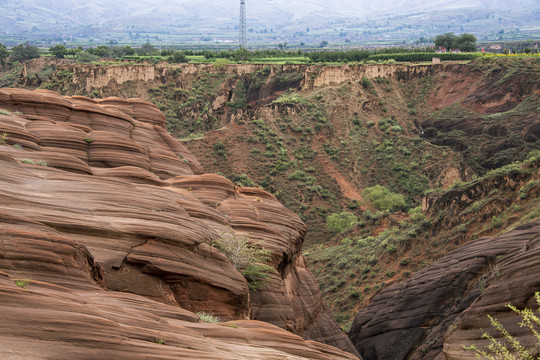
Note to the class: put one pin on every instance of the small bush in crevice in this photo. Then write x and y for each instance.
(208, 317)
(249, 259)
(27, 161)
(160, 340)
(22, 283)
(3, 138)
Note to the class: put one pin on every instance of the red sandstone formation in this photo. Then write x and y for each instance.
(444, 307)
(105, 249)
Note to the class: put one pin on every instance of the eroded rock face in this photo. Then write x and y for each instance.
(488, 111)
(111, 221)
(513, 280)
(443, 307)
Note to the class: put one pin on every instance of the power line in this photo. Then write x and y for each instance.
(242, 30)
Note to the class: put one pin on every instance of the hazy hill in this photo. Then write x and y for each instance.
(278, 20)
(103, 11)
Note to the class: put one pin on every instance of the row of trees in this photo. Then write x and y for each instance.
(61, 51)
(315, 56)
(422, 56)
(117, 52)
(24, 52)
(359, 55)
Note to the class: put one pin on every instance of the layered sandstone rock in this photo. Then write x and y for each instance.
(111, 221)
(444, 307)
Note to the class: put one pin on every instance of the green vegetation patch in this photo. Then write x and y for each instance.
(384, 199)
(340, 222)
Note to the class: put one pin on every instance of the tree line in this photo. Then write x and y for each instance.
(449, 41)
(24, 52)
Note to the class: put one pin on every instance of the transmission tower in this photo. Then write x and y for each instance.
(242, 31)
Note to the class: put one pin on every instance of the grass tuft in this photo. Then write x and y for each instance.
(22, 283)
(208, 317)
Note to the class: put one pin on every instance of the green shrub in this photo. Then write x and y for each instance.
(160, 340)
(177, 57)
(247, 258)
(257, 275)
(354, 294)
(22, 283)
(340, 222)
(496, 222)
(366, 83)
(219, 148)
(362, 242)
(375, 216)
(208, 317)
(240, 97)
(192, 136)
(405, 262)
(299, 175)
(416, 214)
(524, 191)
(220, 63)
(290, 99)
(3, 138)
(242, 180)
(383, 199)
(387, 123)
(86, 57)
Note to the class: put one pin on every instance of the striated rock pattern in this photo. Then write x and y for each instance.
(443, 307)
(105, 250)
(513, 280)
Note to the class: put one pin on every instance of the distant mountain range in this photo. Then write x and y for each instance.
(274, 20)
